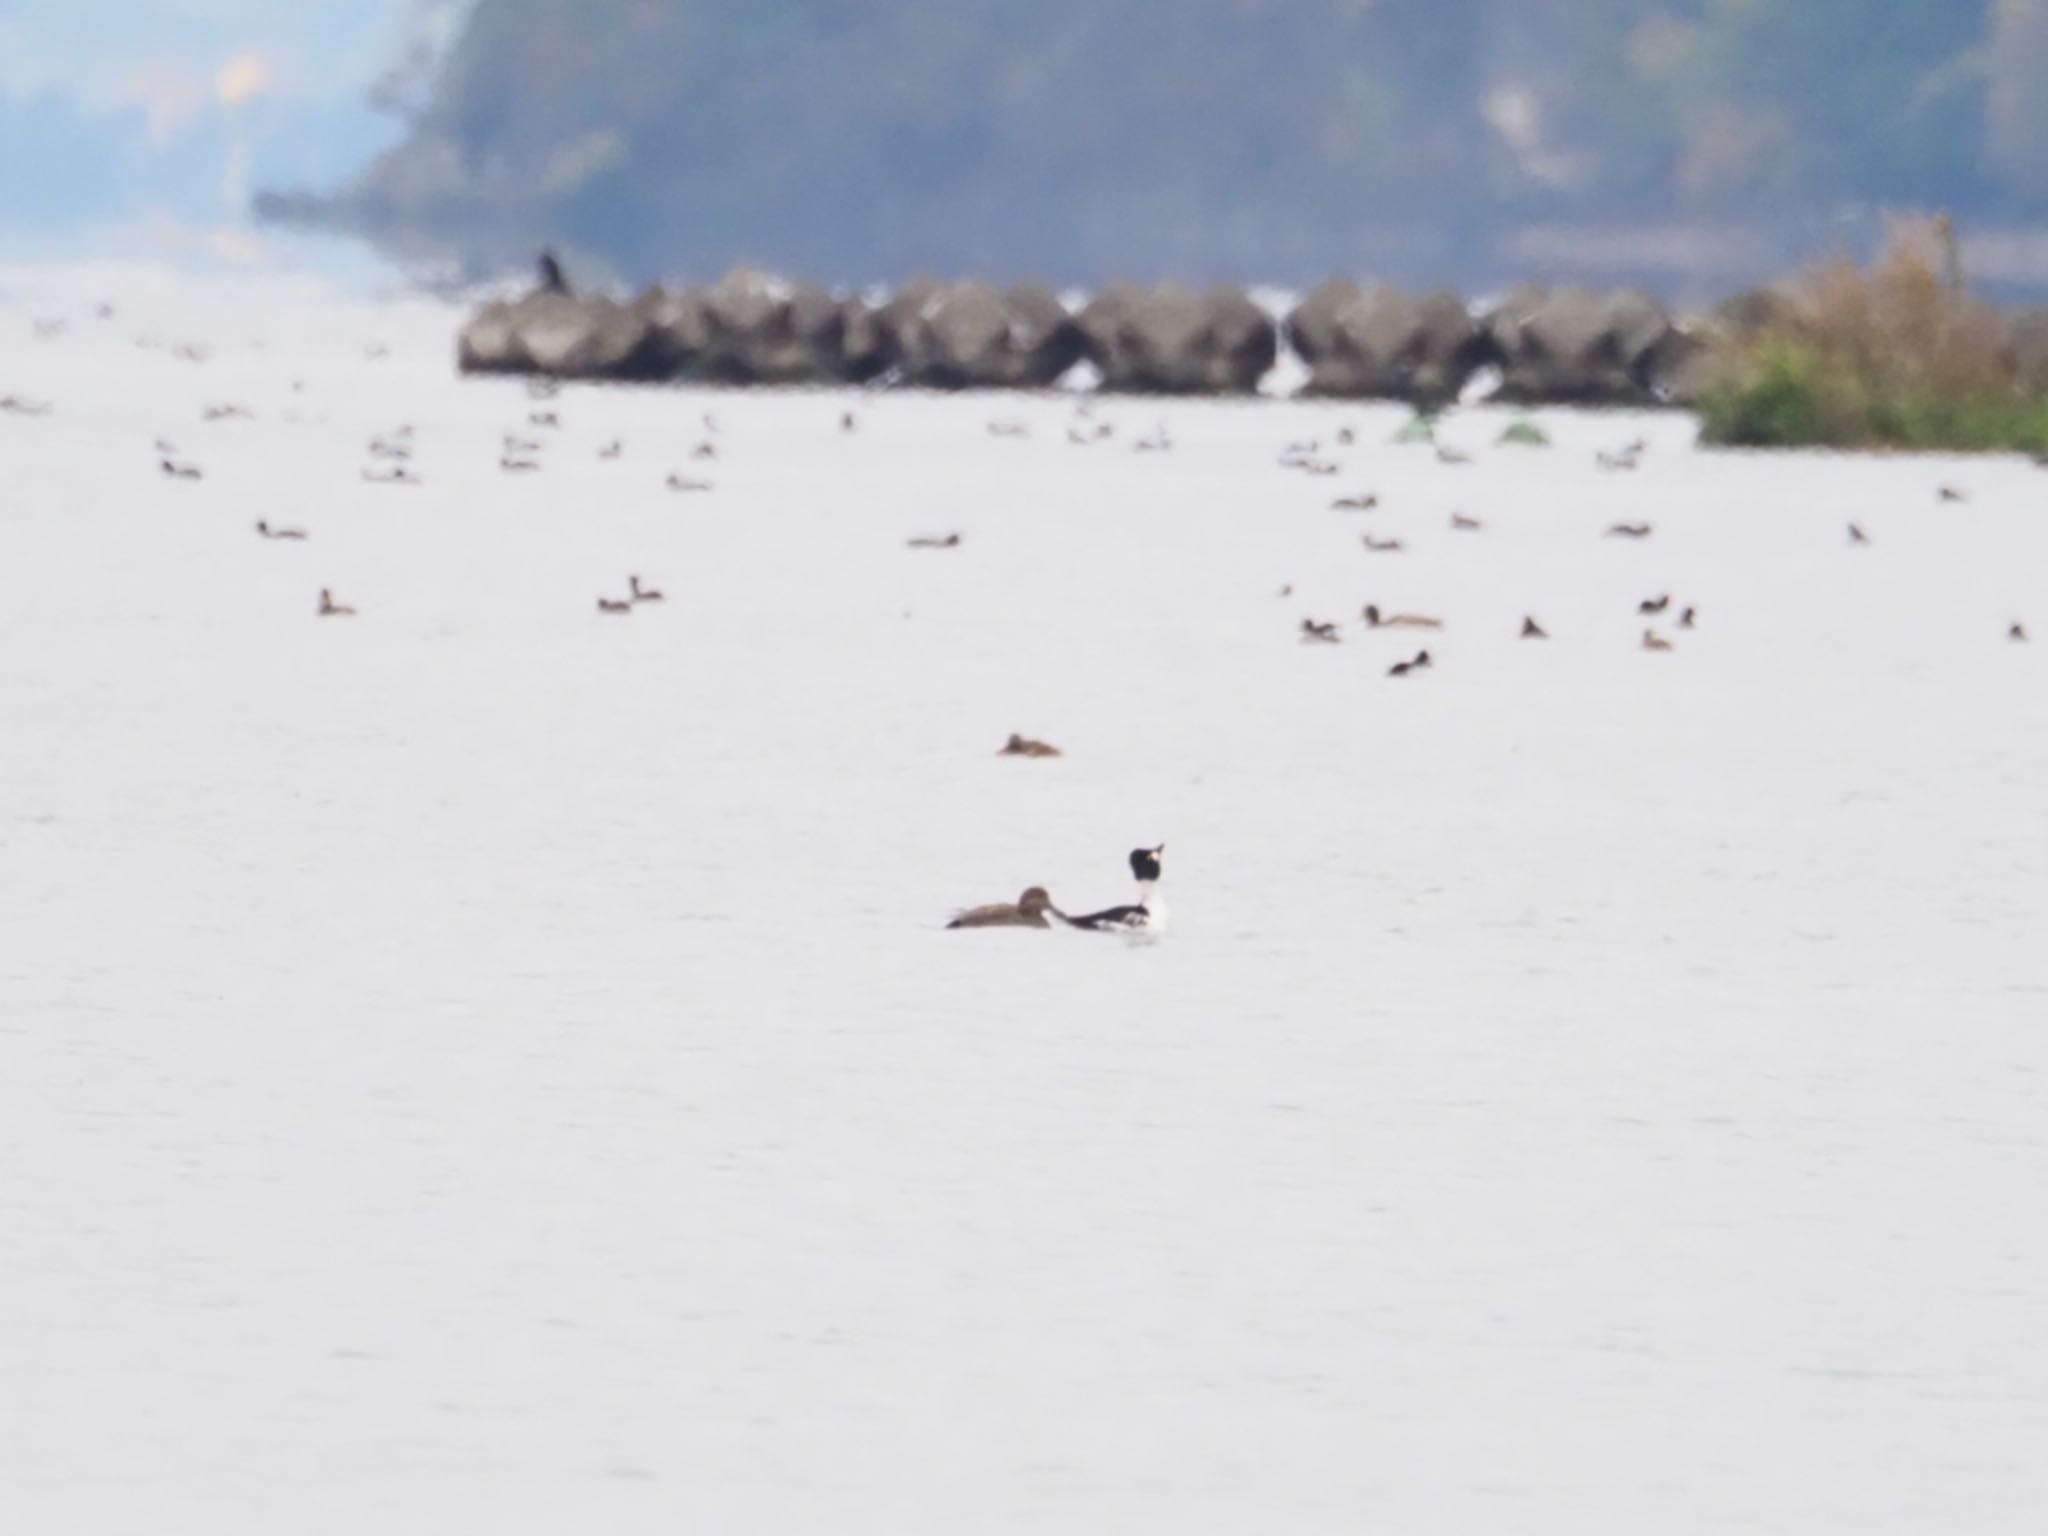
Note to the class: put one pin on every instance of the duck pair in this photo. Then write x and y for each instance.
(1031, 910)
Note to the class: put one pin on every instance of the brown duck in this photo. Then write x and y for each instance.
(1028, 911)
(1024, 746)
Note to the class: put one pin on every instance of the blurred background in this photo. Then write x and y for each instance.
(1691, 146)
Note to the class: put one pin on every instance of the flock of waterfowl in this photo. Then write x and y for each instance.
(524, 451)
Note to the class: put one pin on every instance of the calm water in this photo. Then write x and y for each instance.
(487, 1063)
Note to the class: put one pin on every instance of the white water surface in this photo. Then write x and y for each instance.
(486, 1065)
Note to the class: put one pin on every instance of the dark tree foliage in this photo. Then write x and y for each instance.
(1080, 140)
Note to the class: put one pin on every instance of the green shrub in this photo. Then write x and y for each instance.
(1894, 357)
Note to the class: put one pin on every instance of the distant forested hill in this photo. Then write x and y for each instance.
(1684, 142)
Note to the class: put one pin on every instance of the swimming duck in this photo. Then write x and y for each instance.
(1377, 620)
(1629, 531)
(1028, 911)
(1312, 631)
(927, 541)
(1466, 524)
(269, 532)
(1531, 630)
(614, 605)
(1652, 641)
(643, 594)
(1024, 746)
(330, 609)
(1363, 503)
(1654, 604)
(178, 471)
(1146, 915)
(1382, 546)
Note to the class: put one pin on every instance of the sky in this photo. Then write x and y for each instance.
(136, 129)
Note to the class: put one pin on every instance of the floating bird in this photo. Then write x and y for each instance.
(269, 532)
(704, 451)
(1148, 914)
(397, 474)
(1288, 590)
(1685, 618)
(1445, 454)
(1414, 663)
(1621, 458)
(1531, 630)
(1652, 641)
(1950, 493)
(1024, 746)
(1312, 630)
(17, 405)
(1465, 524)
(1376, 620)
(1008, 429)
(518, 466)
(611, 450)
(178, 471)
(1363, 503)
(1027, 912)
(614, 605)
(1158, 442)
(678, 483)
(229, 412)
(1629, 531)
(927, 541)
(1857, 535)
(518, 445)
(1346, 437)
(543, 419)
(642, 594)
(330, 609)
(1654, 604)
(2017, 632)
(1382, 546)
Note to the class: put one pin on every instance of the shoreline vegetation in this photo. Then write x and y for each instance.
(1896, 355)
(1893, 356)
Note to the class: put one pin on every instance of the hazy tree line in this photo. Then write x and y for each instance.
(1683, 142)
